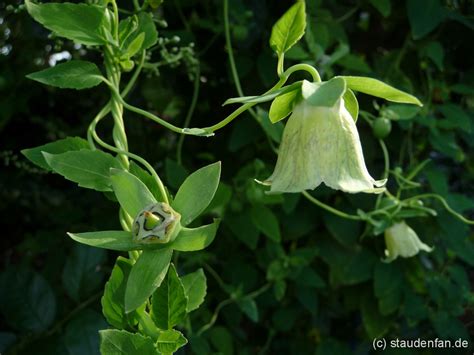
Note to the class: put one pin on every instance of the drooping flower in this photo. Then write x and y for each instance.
(401, 240)
(321, 144)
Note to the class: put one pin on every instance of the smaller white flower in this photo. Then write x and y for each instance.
(401, 240)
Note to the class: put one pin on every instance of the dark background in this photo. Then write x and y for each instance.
(336, 290)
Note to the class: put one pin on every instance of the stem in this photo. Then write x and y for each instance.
(280, 64)
(445, 205)
(331, 209)
(190, 113)
(386, 160)
(214, 316)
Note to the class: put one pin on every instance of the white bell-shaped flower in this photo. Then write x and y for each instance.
(401, 240)
(321, 144)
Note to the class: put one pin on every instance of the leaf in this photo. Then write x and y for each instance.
(75, 74)
(289, 28)
(168, 303)
(196, 192)
(78, 22)
(195, 287)
(113, 240)
(434, 50)
(351, 104)
(60, 146)
(388, 287)
(192, 239)
(424, 16)
(323, 94)
(133, 26)
(242, 229)
(147, 179)
(120, 342)
(375, 324)
(88, 168)
(29, 305)
(383, 6)
(266, 222)
(132, 194)
(82, 274)
(282, 106)
(82, 333)
(113, 299)
(169, 341)
(378, 88)
(146, 276)
(135, 46)
(249, 307)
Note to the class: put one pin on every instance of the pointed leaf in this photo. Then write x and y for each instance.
(79, 22)
(351, 104)
(192, 239)
(266, 222)
(113, 240)
(113, 300)
(88, 168)
(249, 307)
(196, 192)
(168, 303)
(282, 106)
(60, 146)
(289, 28)
(169, 341)
(378, 88)
(121, 342)
(195, 287)
(132, 194)
(146, 276)
(75, 74)
(323, 94)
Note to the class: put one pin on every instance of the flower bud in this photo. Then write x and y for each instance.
(157, 223)
(401, 240)
(321, 144)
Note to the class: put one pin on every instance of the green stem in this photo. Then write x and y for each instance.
(386, 160)
(331, 209)
(281, 64)
(444, 203)
(190, 113)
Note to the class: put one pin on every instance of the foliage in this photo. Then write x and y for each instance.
(285, 273)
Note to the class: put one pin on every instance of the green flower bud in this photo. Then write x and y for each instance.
(157, 223)
(321, 144)
(401, 240)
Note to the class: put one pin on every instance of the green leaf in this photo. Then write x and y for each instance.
(282, 106)
(113, 300)
(196, 192)
(192, 239)
(266, 222)
(383, 6)
(351, 104)
(27, 301)
(289, 28)
(82, 333)
(113, 240)
(35, 155)
(195, 287)
(434, 50)
(378, 88)
(388, 287)
(263, 98)
(168, 303)
(120, 342)
(76, 74)
(78, 22)
(132, 194)
(249, 307)
(424, 16)
(82, 274)
(169, 341)
(375, 324)
(323, 94)
(147, 179)
(135, 45)
(88, 168)
(146, 276)
(133, 27)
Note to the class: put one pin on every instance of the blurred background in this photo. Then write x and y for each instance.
(328, 292)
